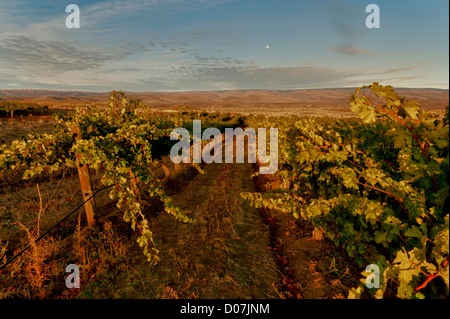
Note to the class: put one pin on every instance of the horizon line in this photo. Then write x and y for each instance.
(225, 90)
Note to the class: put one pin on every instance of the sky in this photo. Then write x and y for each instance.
(202, 45)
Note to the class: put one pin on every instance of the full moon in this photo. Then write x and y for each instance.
(267, 47)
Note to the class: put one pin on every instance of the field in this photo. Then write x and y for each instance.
(348, 192)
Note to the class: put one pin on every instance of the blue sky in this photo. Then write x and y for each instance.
(182, 45)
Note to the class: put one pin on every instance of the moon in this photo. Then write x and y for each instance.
(267, 47)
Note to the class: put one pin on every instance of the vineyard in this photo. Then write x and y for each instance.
(19, 108)
(378, 188)
(367, 190)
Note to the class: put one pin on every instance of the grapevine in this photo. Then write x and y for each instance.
(377, 187)
(127, 139)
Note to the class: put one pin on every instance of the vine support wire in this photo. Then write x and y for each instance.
(56, 225)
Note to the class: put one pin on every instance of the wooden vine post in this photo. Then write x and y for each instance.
(85, 180)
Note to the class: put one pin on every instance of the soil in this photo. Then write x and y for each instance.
(312, 269)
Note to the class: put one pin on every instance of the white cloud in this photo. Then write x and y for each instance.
(349, 49)
(33, 57)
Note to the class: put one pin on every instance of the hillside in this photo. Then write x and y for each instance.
(332, 102)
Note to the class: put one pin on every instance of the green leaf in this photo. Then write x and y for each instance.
(413, 232)
(380, 237)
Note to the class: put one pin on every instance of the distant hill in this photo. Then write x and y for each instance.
(48, 95)
(304, 101)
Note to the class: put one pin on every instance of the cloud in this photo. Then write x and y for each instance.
(400, 69)
(215, 61)
(214, 73)
(99, 19)
(28, 56)
(163, 67)
(206, 35)
(110, 10)
(228, 77)
(347, 21)
(341, 16)
(349, 49)
(280, 77)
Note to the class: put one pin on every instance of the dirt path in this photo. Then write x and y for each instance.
(231, 236)
(223, 255)
(232, 251)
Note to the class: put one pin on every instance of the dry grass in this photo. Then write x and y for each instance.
(31, 273)
(29, 209)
